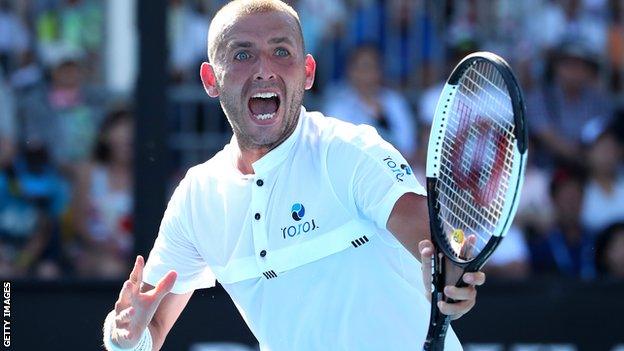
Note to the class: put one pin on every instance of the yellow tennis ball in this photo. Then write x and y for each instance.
(458, 236)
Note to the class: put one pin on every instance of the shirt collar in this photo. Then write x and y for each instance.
(279, 154)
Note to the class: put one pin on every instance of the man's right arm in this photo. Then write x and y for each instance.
(153, 307)
(166, 315)
(175, 269)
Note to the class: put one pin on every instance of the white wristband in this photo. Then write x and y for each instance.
(145, 343)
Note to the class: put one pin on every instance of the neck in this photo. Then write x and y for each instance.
(245, 157)
(246, 154)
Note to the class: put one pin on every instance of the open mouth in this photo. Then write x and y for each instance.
(264, 106)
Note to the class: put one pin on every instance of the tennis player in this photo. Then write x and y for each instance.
(312, 225)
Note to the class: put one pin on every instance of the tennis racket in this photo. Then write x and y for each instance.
(475, 167)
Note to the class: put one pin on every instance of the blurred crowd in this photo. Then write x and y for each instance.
(66, 119)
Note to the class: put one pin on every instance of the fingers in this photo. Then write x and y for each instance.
(468, 246)
(136, 276)
(125, 296)
(119, 334)
(456, 309)
(426, 253)
(464, 299)
(476, 278)
(123, 318)
(460, 294)
(165, 285)
(425, 243)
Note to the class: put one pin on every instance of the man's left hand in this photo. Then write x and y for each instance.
(465, 297)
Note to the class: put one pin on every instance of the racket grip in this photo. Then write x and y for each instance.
(435, 341)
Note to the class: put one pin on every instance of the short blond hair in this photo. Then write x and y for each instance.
(239, 8)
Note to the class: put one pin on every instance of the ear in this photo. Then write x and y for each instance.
(310, 71)
(209, 80)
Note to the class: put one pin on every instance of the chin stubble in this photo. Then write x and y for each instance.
(244, 140)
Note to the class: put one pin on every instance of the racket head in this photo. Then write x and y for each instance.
(476, 159)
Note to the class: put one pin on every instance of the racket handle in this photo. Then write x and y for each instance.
(437, 336)
(440, 322)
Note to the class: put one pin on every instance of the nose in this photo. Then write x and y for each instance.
(265, 71)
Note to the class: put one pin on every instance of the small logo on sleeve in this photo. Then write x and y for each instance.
(399, 170)
(406, 168)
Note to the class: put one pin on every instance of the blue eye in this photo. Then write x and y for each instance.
(282, 52)
(242, 56)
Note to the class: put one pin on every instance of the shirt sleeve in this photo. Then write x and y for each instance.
(174, 250)
(369, 175)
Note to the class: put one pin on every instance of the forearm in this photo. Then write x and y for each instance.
(409, 221)
(158, 335)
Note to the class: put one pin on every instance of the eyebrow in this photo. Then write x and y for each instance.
(239, 44)
(247, 44)
(280, 40)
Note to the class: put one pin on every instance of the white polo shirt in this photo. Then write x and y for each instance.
(301, 245)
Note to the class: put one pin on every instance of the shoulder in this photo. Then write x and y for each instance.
(204, 176)
(217, 166)
(344, 146)
(334, 132)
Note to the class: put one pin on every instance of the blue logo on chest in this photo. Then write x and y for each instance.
(297, 212)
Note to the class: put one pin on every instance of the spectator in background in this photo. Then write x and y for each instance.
(364, 100)
(559, 110)
(323, 19)
(103, 201)
(511, 260)
(63, 116)
(610, 252)
(7, 123)
(535, 214)
(27, 74)
(14, 38)
(324, 29)
(33, 197)
(72, 25)
(615, 44)
(567, 248)
(603, 203)
(187, 29)
(551, 22)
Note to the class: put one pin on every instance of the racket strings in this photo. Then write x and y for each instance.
(505, 173)
(481, 149)
(494, 112)
(452, 152)
(480, 129)
(488, 217)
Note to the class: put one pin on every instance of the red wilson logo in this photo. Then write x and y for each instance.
(479, 156)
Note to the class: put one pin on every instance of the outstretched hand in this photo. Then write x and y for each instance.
(465, 297)
(134, 309)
